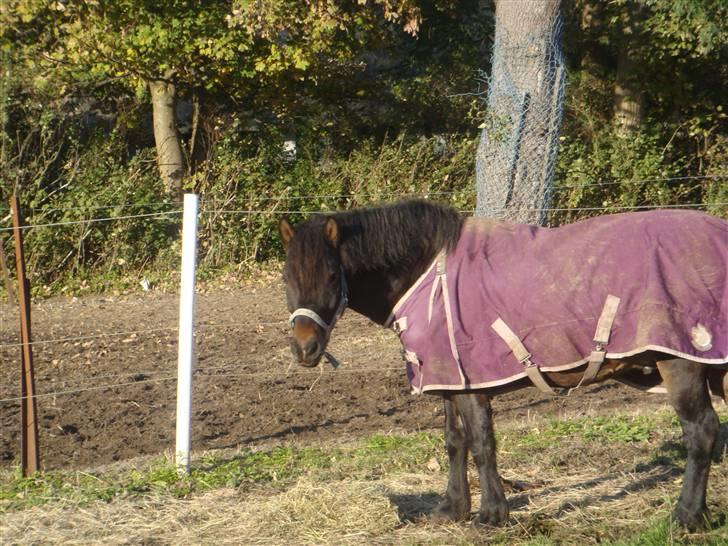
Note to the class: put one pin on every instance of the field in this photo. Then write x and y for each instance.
(313, 457)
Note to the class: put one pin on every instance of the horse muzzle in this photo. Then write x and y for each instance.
(307, 354)
(308, 343)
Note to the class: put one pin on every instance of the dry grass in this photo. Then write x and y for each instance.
(307, 513)
(581, 506)
(572, 492)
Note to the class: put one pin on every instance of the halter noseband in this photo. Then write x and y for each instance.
(314, 316)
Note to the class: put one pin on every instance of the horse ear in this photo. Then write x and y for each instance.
(331, 232)
(286, 230)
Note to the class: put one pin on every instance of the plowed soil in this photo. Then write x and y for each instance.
(105, 371)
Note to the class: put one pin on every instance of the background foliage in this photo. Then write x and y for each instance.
(381, 97)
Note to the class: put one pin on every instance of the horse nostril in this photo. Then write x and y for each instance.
(296, 350)
(311, 348)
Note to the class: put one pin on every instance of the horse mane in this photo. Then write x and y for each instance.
(397, 236)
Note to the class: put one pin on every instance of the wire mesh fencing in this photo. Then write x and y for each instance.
(517, 152)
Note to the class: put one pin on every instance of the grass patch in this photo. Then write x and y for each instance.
(377, 490)
(661, 532)
(614, 429)
(78, 487)
(277, 467)
(368, 458)
(281, 464)
(387, 453)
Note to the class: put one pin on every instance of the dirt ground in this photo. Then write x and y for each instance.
(106, 378)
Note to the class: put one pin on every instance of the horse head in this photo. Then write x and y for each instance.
(316, 289)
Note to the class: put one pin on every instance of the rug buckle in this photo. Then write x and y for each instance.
(399, 326)
(526, 361)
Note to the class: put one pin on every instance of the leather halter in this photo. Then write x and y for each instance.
(314, 316)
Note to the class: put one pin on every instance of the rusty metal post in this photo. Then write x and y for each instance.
(6, 273)
(29, 452)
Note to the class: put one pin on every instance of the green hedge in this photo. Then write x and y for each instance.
(244, 195)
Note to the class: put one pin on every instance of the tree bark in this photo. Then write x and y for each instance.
(517, 151)
(629, 97)
(5, 69)
(592, 19)
(170, 160)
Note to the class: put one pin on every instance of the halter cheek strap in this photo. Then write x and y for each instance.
(314, 316)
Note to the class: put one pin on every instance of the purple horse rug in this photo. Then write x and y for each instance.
(510, 296)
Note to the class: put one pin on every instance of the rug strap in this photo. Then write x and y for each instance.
(431, 301)
(440, 263)
(601, 338)
(524, 357)
(399, 325)
(442, 274)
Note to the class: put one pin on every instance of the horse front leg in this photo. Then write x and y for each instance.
(688, 393)
(456, 505)
(477, 415)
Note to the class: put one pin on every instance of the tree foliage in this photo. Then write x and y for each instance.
(231, 45)
(679, 64)
(381, 97)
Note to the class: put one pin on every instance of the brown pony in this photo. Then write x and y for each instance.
(367, 259)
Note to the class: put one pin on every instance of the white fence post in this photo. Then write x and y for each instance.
(186, 328)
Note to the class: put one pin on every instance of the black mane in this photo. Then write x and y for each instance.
(400, 235)
(383, 250)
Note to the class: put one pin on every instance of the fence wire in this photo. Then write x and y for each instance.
(268, 375)
(387, 196)
(150, 215)
(233, 370)
(490, 212)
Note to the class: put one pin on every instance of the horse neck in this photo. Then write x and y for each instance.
(374, 293)
(375, 285)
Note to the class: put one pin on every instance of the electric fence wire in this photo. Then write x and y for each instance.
(271, 375)
(344, 196)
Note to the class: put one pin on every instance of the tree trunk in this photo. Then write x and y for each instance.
(629, 97)
(592, 20)
(170, 160)
(5, 69)
(517, 151)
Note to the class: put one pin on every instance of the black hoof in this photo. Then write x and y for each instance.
(494, 516)
(451, 510)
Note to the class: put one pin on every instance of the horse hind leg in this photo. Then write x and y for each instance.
(456, 505)
(718, 381)
(688, 394)
(478, 420)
